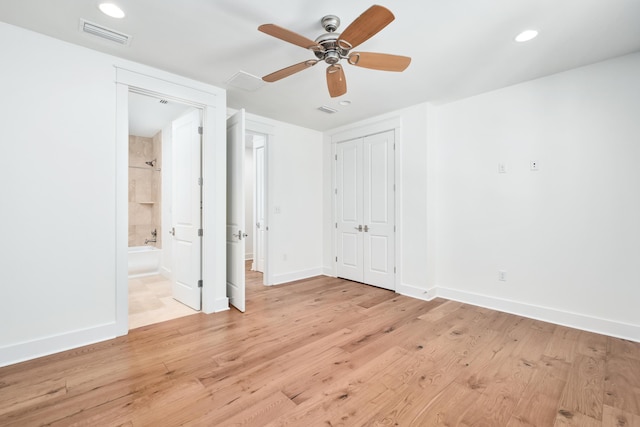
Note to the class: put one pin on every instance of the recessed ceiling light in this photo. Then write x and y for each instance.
(526, 35)
(345, 102)
(111, 10)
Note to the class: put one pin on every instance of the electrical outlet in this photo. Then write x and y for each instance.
(502, 167)
(534, 165)
(502, 275)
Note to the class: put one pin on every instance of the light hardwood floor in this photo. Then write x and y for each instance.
(329, 352)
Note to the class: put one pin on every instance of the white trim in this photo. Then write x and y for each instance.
(259, 125)
(328, 271)
(296, 275)
(212, 101)
(221, 304)
(16, 353)
(416, 292)
(349, 133)
(545, 314)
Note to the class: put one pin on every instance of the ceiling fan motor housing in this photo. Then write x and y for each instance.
(332, 51)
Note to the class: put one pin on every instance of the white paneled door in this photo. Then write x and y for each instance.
(187, 220)
(365, 210)
(235, 210)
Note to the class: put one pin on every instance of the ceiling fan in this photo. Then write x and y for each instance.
(332, 47)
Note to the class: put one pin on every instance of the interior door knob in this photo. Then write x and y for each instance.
(366, 228)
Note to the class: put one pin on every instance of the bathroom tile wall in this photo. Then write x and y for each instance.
(145, 189)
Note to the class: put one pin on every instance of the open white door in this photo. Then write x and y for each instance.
(235, 210)
(186, 204)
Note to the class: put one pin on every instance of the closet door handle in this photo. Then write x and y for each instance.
(366, 228)
(359, 228)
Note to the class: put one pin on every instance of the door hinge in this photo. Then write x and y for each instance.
(394, 228)
(394, 270)
(200, 283)
(335, 191)
(200, 130)
(200, 232)
(336, 259)
(336, 225)
(336, 157)
(200, 182)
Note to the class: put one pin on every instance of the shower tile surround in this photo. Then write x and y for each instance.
(144, 189)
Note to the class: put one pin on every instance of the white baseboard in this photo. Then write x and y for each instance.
(221, 304)
(166, 273)
(150, 273)
(28, 350)
(572, 320)
(296, 275)
(328, 271)
(415, 292)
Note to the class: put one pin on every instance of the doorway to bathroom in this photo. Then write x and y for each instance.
(165, 210)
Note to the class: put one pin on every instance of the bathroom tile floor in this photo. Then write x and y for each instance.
(150, 301)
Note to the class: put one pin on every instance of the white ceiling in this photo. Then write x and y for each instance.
(459, 47)
(148, 116)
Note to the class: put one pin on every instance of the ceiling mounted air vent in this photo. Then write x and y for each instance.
(327, 110)
(105, 33)
(245, 81)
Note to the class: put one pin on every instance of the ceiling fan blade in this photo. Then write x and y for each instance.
(288, 36)
(367, 25)
(379, 61)
(336, 81)
(286, 72)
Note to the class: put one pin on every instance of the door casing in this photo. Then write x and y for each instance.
(212, 101)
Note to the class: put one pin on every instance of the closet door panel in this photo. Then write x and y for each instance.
(379, 210)
(349, 210)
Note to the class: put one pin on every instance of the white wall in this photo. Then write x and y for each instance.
(58, 189)
(567, 235)
(295, 184)
(63, 258)
(416, 255)
(294, 167)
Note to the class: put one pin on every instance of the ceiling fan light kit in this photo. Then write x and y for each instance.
(332, 47)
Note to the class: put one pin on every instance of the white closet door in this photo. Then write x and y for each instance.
(349, 206)
(365, 210)
(378, 211)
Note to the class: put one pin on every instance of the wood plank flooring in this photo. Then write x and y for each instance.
(329, 352)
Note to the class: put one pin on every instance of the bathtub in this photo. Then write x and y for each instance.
(144, 260)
